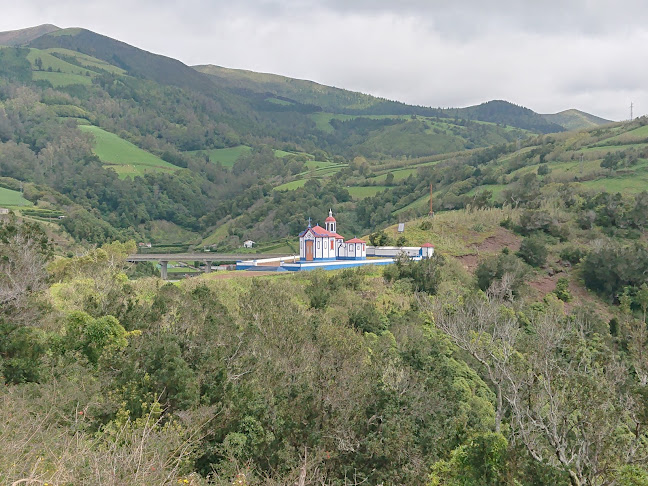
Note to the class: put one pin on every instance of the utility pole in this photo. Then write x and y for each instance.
(581, 164)
(431, 213)
(631, 117)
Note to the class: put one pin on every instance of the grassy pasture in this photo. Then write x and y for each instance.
(277, 101)
(321, 169)
(291, 186)
(216, 236)
(122, 156)
(360, 192)
(326, 171)
(53, 62)
(624, 183)
(317, 164)
(285, 153)
(88, 61)
(496, 189)
(226, 156)
(637, 135)
(61, 79)
(12, 198)
(420, 203)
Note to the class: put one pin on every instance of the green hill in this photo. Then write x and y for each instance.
(24, 36)
(136, 62)
(575, 120)
(327, 98)
(503, 112)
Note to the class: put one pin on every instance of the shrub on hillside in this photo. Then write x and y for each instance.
(367, 318)
(533, 251)
(494, 268)
(425, 275)
(379, 238)
(562, 289)
(572, 254)
(612, 267)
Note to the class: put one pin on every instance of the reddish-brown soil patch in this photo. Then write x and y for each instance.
(545, 284)
(469, 262)
(502, 238)
(492, 245)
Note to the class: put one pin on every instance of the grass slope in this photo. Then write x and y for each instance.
(9, 198)
(122, 156)
(576, 158)
(303, 91)
(85, 60)
(225, 156)
(360, 192)
(57, 71)
(58, 80)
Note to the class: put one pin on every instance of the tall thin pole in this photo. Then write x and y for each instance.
(631, 115)
(431, 199)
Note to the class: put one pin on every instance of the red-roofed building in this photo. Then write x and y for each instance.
(353, 249)
(427, 250)
(320, 244)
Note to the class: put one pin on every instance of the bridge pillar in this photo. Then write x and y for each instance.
(208, 267)
(163, 270)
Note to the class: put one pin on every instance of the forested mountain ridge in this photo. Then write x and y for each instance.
(338, 100)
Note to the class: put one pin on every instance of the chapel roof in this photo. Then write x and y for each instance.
(320, 232)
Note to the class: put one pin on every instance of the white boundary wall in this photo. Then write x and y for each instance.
(394, 251)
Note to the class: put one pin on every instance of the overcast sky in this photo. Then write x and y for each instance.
(547, 55)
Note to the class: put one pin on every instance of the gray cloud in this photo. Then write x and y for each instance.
(549, 55)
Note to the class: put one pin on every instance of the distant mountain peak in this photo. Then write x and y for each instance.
(573, 119)
(505, 112)
(24, 36)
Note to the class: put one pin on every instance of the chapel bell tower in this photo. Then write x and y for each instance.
(330, 224)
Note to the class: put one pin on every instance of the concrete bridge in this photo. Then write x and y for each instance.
(207, 258)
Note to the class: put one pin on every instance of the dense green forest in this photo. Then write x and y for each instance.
(418, 373)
